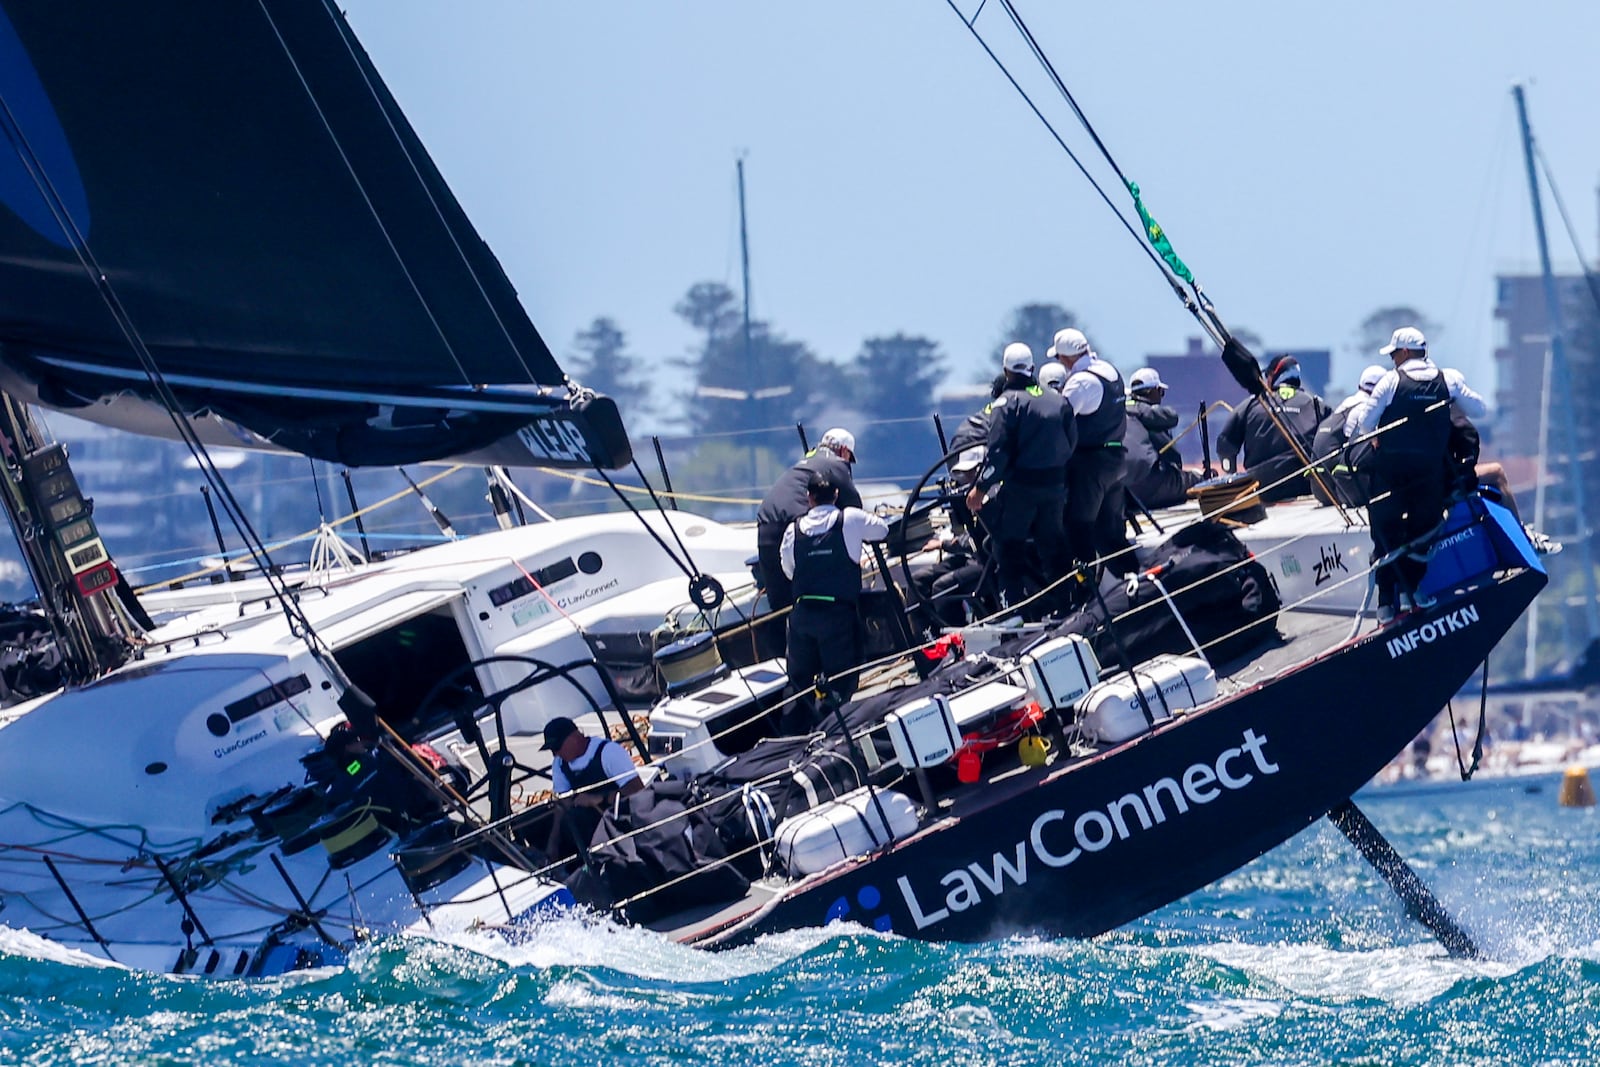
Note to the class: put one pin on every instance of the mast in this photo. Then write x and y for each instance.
(1530, 660)
(749, 368)
(1558, 360)
(77, 582)
(744, 268)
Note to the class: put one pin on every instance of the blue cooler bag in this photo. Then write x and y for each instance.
(1479, 538)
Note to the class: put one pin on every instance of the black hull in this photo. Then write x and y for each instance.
(1084, 849)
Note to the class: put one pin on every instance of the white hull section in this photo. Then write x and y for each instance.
(156, 764)
(1318, 560)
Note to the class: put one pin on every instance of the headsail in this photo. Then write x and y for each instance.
(275, 231)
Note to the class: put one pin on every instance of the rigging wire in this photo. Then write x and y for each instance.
(299, 625)
(1591, 281)
(361, 190)
(1198, 305)
(1478, 246)
(342, 25)
(1061, 141)
(1061, 86)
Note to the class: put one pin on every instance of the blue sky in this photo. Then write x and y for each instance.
(1311, 163)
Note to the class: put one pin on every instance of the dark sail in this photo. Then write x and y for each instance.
(279, 239)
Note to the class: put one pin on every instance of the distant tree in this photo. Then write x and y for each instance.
(771, 382)
(604, 365)
(1376, 329)
(893, 379)
(710, 308)
(1033, 324)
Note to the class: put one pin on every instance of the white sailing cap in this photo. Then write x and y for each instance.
(1406, 338)
(1017, 359)
(1370, 377)
(1145, 378)
(1053, 374)
(1070, 344)
(837, 440)
(970, 459)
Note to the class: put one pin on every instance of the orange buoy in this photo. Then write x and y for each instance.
(1576, 789)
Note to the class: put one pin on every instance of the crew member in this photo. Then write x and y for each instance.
(1155, 475)
(1053, 375)
(1095, 497)
(1031, 438)
(1412, 466)
(949, 585)
(786, 502)
(586, 773)
(1268, 455)
(1339, 460)
(821, 554)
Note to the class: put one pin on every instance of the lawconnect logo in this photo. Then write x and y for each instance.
(1430, 632)
(1052, 844)
(225, 750)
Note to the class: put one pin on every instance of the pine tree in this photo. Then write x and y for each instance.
(1376, 329)
(604, 365)
(893, 383)
(1033, 324)
(769, 382)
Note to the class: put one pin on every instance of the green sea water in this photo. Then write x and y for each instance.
(1300, 958)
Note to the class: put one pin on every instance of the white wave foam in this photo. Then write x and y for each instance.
(1403, 975)
(1230, 1013)
(583, 994)
(29, 945)
(580, 941)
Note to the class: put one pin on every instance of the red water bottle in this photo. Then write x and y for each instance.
(968, 765)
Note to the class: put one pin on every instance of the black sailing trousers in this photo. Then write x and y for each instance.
(825, 639)
(1415, 503)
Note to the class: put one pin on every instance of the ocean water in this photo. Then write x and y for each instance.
(1300, 958)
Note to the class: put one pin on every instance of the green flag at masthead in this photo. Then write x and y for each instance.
(1158, 238)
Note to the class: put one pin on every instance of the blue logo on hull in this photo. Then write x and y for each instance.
(32, 132)
(868, 898)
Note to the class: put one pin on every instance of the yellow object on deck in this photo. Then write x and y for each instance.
(1576, 789)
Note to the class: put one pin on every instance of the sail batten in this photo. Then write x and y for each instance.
(261, 209)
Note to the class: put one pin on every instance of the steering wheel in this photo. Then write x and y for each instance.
(467, 714)
(947, 491)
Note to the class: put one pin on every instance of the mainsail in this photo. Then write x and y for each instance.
(278, 238)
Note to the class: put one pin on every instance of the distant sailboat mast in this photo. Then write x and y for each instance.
(744, 272)
(1530, 659)
(1558, 360)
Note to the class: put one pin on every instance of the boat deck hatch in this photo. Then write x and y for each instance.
(398, 666)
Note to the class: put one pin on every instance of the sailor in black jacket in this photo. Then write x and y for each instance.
(1031, 437)
(1095, 498)
(1268, 457)
(821, 554)
(1155, 474)
(1412, 467)
(786, 501)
